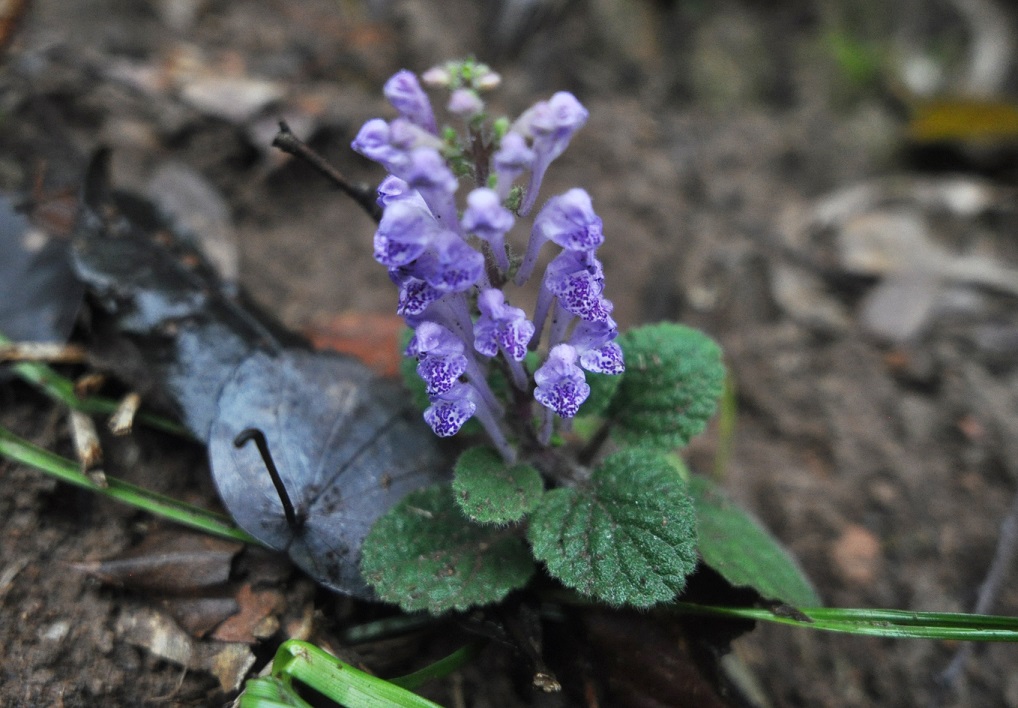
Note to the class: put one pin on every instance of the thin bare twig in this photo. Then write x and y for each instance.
(289, 143)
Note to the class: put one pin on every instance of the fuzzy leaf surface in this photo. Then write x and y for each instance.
(491, 492)
(674, 377)
(734, 544)
(425, 555)
(627, 538)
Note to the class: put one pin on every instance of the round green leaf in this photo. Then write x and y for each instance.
(628, 538)
(425, 555)
(674, 377)
(735, 544)
(489, 491)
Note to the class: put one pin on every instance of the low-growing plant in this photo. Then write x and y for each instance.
(571, 462)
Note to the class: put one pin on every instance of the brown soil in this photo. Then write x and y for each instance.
(887, 469)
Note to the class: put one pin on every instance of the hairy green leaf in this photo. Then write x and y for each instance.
(627, 538)
(602, 388)
(674, 377)
(425, 555)
(734, 544)
(489, 491)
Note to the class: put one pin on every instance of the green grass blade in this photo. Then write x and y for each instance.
(61, 389)
(353, 688)
(15, 448)
(896, 624)
(441, 668)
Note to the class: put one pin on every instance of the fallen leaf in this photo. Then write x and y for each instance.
(258, 617)
(169, 562)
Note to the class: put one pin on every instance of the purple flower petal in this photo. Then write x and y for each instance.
(415, 295)
(569, 220)
(501, 327)
(512, 159)
(448, 412)
(373, 141)
(393, 189)
(406, 95)
(577, 280)
(561, 385)
(449, 264)
(465, 103)
(406, 229)
(485, 216)
(550, 124)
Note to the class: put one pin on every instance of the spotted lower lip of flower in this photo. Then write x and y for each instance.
(501, 327)
(594, 343)
(447, 413)
(406, 229)
(577, 280)
(561, 385)
(569, 220)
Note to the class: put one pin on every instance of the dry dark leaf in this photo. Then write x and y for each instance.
(200, 615)
(169, 562)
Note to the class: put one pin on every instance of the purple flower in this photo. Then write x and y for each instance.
(449, 264)
(594, 341)
(427, 172)
(393, 189)
(374, 142)
(465, 103)
(567, 219)
(501, 326)
(440, 358)
(406, 229)
(490, 221)
(415, 295)
(407, 136)
(512, 159)
(561, 386)
(406, 95)
(550, 124)
(448, 412)
(577, 280)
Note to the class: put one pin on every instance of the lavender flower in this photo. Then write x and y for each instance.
(561, 386)
(448, 412)
(440, 359)
(486, 218)
(465, 103)
(570, 222)
(406, 229)
(373, 141)
(501, 327)
(577, 280)
(449, 264)
(406, 95)
(550, 125)
(415, 295)
(426, 171)
(594, 342)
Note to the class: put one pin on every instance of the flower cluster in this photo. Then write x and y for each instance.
(451, 265)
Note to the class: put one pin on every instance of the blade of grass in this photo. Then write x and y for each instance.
(353, 688)
(897, 624)
(20, 450)
(441, 668)
(61, 389)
